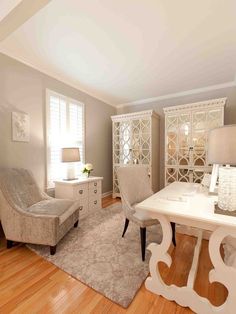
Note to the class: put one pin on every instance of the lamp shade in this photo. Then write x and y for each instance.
(70, 154)
(222, 145)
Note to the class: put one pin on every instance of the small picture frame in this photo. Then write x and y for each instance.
(20, 127)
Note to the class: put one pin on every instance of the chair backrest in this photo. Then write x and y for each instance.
(134, 183)
(19, 187)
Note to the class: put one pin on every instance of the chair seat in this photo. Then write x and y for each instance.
(144, 219)
(53, 207)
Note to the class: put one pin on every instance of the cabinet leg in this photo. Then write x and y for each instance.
(53, 250)
(9, 244)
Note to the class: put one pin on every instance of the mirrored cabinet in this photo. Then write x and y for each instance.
(136, 142)
(186, 131)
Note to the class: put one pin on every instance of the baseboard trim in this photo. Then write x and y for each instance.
(106, 194)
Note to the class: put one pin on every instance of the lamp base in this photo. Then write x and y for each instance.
(220, 211)
(70, 172)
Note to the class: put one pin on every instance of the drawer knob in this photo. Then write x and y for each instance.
(81, 208)
(95, 184)
(95, 191)
(95, 202)
(80, 191)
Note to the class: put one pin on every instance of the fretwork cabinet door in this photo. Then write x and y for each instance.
(136, 142)
(186, 139)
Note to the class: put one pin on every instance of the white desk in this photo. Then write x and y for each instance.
(184, 203)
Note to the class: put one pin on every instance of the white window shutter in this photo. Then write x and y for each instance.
(65, 128)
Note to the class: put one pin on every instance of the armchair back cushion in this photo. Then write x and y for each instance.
(19, 187)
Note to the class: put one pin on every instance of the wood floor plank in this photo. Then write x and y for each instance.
(29, 284)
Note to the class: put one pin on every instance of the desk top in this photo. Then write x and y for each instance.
(185, 201)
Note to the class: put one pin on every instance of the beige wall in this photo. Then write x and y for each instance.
(23, 89)
(230, 112)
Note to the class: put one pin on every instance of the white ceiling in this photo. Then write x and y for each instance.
(126, 50)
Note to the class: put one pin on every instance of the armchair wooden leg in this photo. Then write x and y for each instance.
(9, 244)
(125, 227)
(173, 233)
(53, 250)
(143, 242)
(76, 224)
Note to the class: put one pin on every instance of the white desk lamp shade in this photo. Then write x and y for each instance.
(222, 145)
(70, 155)
(222, 150)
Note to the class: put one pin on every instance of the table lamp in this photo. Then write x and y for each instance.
(222, 151)
(70, 155)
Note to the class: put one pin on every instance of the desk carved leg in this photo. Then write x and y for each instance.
(186, 296)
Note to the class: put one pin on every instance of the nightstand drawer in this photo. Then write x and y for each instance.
(94, 189)
(94, 192)
(94, 203)
(83, 208)
(80, 191)
(95, 185)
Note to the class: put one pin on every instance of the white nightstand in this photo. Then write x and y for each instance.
(88, 191)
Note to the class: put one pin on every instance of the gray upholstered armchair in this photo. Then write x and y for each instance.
(31, 216)
(134, 184)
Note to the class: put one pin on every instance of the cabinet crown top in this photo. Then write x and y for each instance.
(136, 115)
(216, 103)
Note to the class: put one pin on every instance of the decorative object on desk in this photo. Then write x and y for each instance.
(227, 189)
(70, 155)
(20, 127)
(87, 169)
(222, 151)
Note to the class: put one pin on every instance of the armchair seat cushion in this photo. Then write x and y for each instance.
(54, 207)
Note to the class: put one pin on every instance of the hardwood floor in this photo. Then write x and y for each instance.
(29, 284)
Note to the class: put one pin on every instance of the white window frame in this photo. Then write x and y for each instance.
(68, 100)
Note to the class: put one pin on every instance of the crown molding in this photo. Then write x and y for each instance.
(136, 115)
(53, 75)
(179, 94)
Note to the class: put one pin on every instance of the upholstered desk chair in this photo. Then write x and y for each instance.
(134, 184)
(31, 216)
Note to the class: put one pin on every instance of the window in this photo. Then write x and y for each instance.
(65, 128)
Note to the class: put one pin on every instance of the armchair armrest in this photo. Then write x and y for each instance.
(45, 196)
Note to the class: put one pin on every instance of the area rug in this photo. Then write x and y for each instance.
(97, 255)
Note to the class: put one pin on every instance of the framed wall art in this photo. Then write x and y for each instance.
(20, 127)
